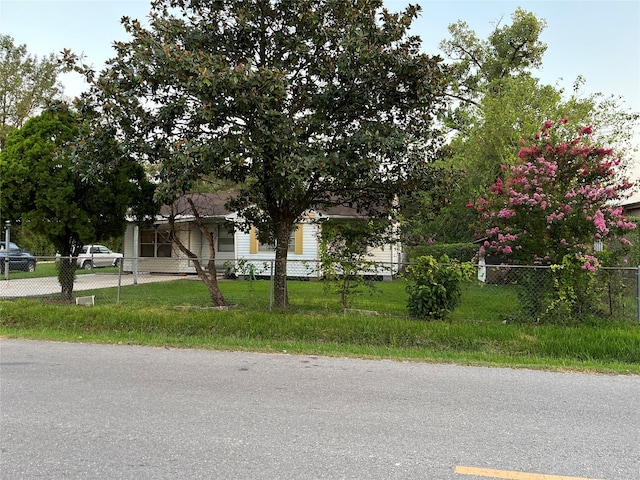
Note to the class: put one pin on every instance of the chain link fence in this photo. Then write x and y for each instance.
(558, 295)
(89, 284)
(507, 293)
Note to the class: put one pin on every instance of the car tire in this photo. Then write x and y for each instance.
(31, 267)
(87, 265)
(116, 263)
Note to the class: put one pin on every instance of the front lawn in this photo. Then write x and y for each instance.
(175, 314)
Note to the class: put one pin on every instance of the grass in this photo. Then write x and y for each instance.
(377, 327)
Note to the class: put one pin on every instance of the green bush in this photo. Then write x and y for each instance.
(437, 286)
(463, 252)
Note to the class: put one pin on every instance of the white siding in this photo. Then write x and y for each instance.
(388, 259)
(298, 265)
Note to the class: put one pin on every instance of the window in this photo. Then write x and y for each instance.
(155, 243)
(226, 239)
(266, 247)
(295, 242)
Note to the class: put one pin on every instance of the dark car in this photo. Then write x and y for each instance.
(18, 258)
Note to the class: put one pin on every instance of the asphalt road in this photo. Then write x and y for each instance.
(79, 411)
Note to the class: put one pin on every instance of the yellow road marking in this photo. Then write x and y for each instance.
(487, 472)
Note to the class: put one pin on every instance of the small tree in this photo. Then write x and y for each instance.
(551, 208)
(561, 197)
(345, 254)
(45, 193)
(206, 270)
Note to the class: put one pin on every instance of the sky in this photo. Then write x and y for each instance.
(598, 40)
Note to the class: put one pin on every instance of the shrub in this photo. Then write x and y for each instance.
(577, 289)
(437, 286)
(463, 252)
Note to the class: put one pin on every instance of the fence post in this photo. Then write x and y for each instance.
(136, 232)
(7, 245)
(271, 287)
(120, 267)
(638, 299)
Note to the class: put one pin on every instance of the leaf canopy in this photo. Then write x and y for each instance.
(307, 103)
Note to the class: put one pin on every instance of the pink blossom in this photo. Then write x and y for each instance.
(506, 213)
(599, 222)
(555, 216)
(497, 188)
(591, 263)
(568, 186)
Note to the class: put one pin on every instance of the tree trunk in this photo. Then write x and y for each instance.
(209, 273)
(66, 276)
(210, 278)
(280, 291)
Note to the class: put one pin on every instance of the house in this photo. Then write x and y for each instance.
(631, 209)
(149, 248)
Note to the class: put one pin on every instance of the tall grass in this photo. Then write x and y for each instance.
(175, 314)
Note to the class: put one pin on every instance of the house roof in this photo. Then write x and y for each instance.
(341, 211)
(207, 205)
(631, 209)
(212, 205)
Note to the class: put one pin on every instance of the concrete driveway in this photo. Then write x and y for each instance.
(32, 287)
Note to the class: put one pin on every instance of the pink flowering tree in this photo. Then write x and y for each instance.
(551, 208)
(559, 199)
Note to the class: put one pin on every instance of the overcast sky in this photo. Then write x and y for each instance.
(599, 40)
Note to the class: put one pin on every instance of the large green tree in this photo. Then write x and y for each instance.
(308, 103)
(478, 65)
(26, 83)
(495, 101)
(43, 190)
